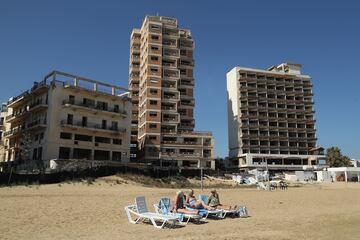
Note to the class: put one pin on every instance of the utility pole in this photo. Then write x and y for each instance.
(201, 178)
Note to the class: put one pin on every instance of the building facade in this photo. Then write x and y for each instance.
(271, 118)
(161, 84)
(68, 117)
(3, 114)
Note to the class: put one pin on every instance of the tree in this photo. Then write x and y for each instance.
(336, 159)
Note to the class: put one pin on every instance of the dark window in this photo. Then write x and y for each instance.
(117, 141)
(102, 140)
(152, 137)
(84, 121)
(102, 105)
(34, 154)
(80, 137)
(154, 48)
(116, 156)
(103, 124)
(153, 91)
(65, 135)
(153, 114)
(154, 58)
(152, 126)
(39, 157)
(64, 153)
(101, 155)
(41, 136)
(183, 52)
(71, 99)
(154, 37)
(153, 102)
(88, 102)
(80, 153)
(116, 108)
(70, 119)
(114, 125)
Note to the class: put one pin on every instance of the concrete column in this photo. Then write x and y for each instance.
(345, 176)
(75, 82)
(113, 91)
(95, 87)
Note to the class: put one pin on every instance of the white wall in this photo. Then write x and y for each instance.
(233, 112)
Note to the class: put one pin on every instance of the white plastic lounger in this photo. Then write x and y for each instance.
(241, 212)
(140, 211)
(164, 207)
(224, 212)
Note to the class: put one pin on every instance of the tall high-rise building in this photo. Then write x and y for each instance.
(161, 84)
(271, 118)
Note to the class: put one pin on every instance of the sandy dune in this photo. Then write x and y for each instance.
(79, 211)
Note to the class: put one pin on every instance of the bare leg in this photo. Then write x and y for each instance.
(225, 207)
(185, 211)
(200, 203)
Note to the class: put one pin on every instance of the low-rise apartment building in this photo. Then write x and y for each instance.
(271, 119)
(68, 117)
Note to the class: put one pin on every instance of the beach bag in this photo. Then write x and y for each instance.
(243, 212)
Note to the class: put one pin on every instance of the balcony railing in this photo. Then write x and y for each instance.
(93, 126)
(94, 107)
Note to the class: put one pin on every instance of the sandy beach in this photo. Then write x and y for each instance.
(96, 211)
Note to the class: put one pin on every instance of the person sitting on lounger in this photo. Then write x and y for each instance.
(214, 202)
(197, 204)
(178, 205)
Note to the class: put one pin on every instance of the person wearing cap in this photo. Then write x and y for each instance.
(214, 201)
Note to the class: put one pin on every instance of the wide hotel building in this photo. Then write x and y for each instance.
(161, 84)
(271, 119)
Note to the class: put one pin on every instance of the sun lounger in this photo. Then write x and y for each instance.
(205, 198)
(204, 212)
(261, 185)
(140, 211)
(164, 207)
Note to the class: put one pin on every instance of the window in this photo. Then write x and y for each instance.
(102, 105)
(154, 58)
(154, 48)
(41, 136)
(80, 137)
(152, 126)
(103, 124)
(70, 119)
(153, 102)
(152, 137)
(64, 153)
(183, 52)
(154, 37)
(88, 102)
(65, 135)
(116, 156)
(154, 69)
(71, 99)
(153, 114)
(102, 140)
(84, 121)
(114, 125)
(153, 91)
(80, 153)
(116, 108)
(34, 154)
(101, 155)
(117, 141)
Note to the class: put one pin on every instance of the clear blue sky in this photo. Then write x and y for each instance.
(91, 38)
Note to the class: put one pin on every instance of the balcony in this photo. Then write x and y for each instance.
(95, 109)
(14, 132)
(93, 127)
(37, 124)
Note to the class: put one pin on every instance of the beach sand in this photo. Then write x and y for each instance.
(96, 211)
